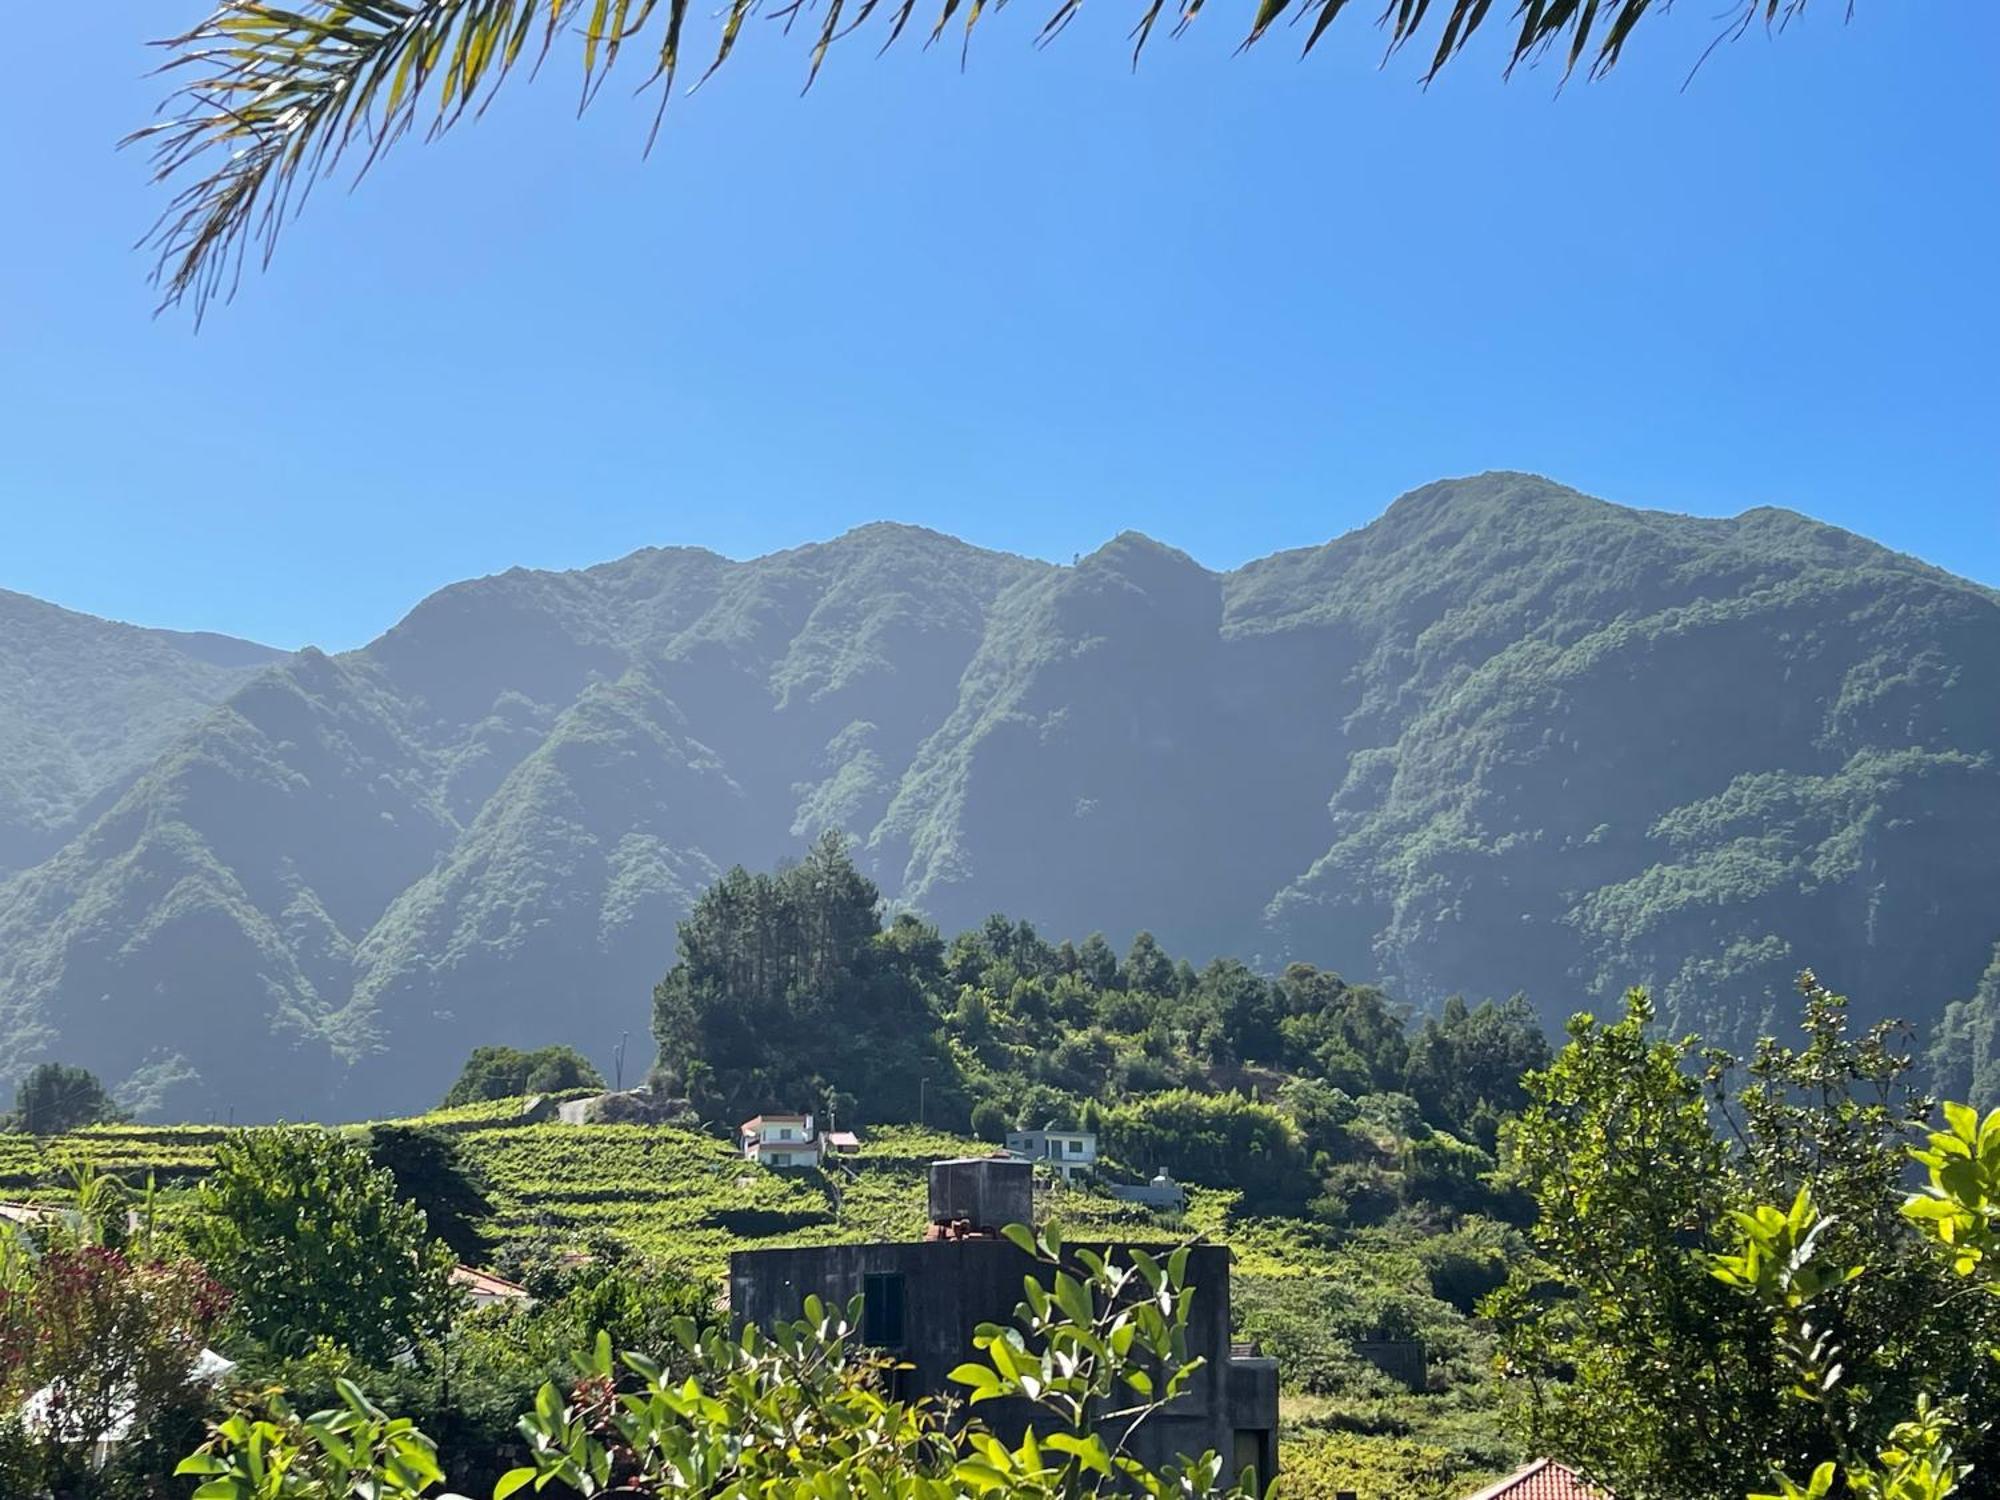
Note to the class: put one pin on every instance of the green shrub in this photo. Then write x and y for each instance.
(1319, 1465)
(1217, 1140)
(1446, 1171)
(989, 1121)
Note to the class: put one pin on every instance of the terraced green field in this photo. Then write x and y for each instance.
(34, 1166)
(676, 1195)
(688, 1199)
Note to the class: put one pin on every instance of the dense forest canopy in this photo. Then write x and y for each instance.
(792, 993)
(1505, 740)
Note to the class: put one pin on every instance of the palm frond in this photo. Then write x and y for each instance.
(270, 100)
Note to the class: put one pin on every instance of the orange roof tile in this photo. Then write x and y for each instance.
(485, 1283)
(1544, 1479)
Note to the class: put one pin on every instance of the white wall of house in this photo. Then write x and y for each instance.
(781, 1141)
(1069, 1151)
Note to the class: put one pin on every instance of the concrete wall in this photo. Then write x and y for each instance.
(1406, 1360)
(951, 1287)
(987, 1192)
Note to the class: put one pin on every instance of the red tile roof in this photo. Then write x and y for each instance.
(486, 1284)
(1544, 1479)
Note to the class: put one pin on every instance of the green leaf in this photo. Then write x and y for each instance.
(1963, 1120)
(1074, 1300)
(511, 1481)
(549, 1405)
(1088, 1450)
(979, 1377)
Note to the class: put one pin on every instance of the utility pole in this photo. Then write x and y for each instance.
(618, 1062)
(922, 1085)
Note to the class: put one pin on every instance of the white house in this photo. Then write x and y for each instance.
(781, 1141)
(1068, 1151)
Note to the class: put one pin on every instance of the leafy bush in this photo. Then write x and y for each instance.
(1321, 1465)
(1640, 1353)
(1221, 1140)
(1446, 1171)
(1468, 1262)
(1367, 1193)
(507, 1073)
(989, 1121)
(313, 1241)
(102, 1341)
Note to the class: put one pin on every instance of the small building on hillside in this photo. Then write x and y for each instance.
(780, 1141)
(842, 1143)
(484, 1289)
(1162, 1194)
(1068, 1151)
(1544, 1479)
(924, 1300)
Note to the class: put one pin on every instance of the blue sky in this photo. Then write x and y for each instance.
(1237, 302)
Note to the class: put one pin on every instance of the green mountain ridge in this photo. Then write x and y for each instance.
(86, 704)
(1506, 737)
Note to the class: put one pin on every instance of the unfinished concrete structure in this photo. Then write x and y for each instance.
(924, 1300)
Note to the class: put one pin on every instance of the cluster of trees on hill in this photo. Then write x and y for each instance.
(57, 1097)
(791, 991)
(509, 1072)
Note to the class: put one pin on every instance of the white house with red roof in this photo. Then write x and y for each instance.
(781, 1141)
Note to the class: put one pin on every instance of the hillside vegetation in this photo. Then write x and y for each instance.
(1453, 1242)
(85, 705)
(1505, 739)
(683, 1200)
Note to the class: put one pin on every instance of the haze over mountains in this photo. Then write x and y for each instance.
(1507, 737)
(85, 705)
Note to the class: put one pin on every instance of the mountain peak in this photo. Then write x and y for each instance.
(1508, 737)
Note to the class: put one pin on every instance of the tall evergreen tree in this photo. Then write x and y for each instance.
(787, 989)
(56, 1097)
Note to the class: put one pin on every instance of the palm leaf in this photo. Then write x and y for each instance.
(271, 99)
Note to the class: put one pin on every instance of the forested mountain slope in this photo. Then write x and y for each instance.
(85, 705)
(1505, 738)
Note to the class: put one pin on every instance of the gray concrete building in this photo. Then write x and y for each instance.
(924, 1300)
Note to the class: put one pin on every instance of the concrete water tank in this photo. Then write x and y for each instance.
(987, 1193)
